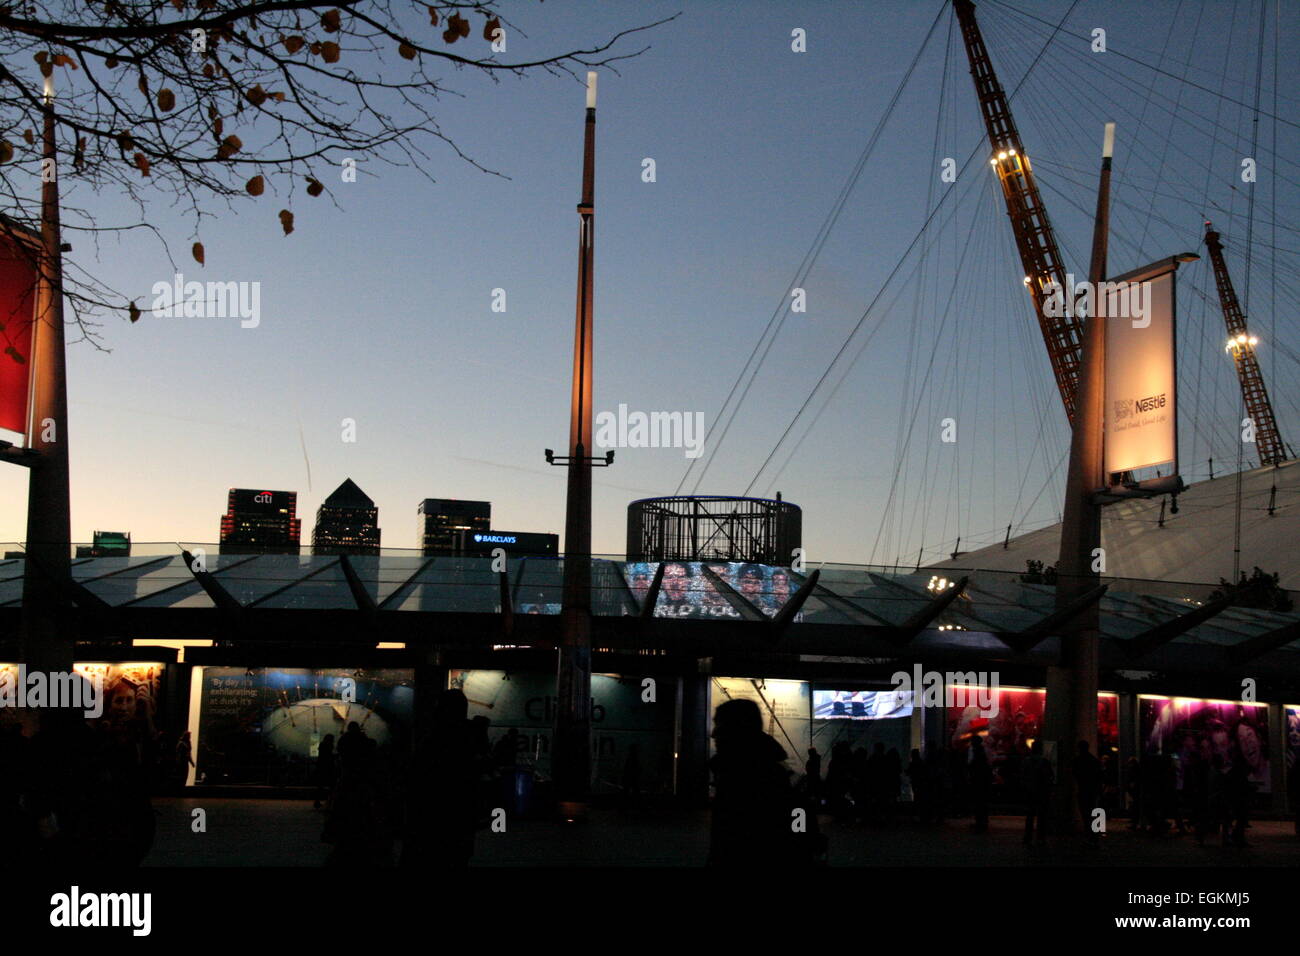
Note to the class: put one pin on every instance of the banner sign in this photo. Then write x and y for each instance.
(1140, 415)
(18, 273)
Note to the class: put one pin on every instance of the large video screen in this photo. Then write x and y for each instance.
(861, 704)
(264, 725)
(1202, 729)
(688, 592)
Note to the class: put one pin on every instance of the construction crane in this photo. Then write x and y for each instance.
(1062, 334)
(1241, 345)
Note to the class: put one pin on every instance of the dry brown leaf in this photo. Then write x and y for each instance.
(134, 312)
(329, 52)
(6, 151)
(229, 146)
(286, 221)
(490, 27)
(30, 137)
(166, 100)
(62, 59)
(329, 21)
(433, 17)
(257, 95)
(142, 163)
(314, 188)
(293, 44)
(111, 62)
(255, 186)
(407, 51)
(198, 252)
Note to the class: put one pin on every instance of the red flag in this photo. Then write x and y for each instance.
(18, 275)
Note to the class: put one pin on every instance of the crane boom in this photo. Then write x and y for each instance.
(1241, 344)
(1063, 335)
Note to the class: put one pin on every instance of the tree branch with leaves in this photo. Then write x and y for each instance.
(208, 104)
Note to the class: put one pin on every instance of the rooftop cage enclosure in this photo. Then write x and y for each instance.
(713, 528)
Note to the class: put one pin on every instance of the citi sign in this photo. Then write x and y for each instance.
(263, 498)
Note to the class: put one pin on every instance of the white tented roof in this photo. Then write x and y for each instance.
(1194, 545)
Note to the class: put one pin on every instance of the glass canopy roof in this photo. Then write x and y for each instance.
(992, 602)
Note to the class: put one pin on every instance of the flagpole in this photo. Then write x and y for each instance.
(46, 641)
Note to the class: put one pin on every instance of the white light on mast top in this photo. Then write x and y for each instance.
(49, 88)
(1108, 146)
(591, 90)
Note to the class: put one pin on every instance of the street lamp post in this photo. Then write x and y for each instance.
(571, 745)
(46, 643)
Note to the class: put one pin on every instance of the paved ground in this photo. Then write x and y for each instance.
(263, 832)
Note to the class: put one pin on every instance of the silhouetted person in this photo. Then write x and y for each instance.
(858, 788)
(936, 766)
(1037, 779)
(839, 778)
(980, 775)
(1087, 784)
(753, 800)
(1196, 791)
(917, 774)
(893, 780)
(813, 776)
(354, 746)
(505, 752)
(1133, 792)
(183, 761)
(1240, 791)
(442, 804)
(358, 823)
(1220, 813)
(324, 769)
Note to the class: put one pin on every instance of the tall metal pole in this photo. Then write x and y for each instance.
(46, 642)
(1071, 709)
(571, 748)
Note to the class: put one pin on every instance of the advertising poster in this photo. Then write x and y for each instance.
(1140, 375)
(786, 707)
(263, 726)
(632, 738)
(1202, 729)
(1010, 733)
(131, 692)
(687, 592)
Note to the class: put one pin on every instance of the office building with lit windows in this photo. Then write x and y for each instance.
(442, 520)
(260, 522)
(346, 523)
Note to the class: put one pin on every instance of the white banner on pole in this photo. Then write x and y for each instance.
(1141, 375)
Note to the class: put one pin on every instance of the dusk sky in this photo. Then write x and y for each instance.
(379, 308)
